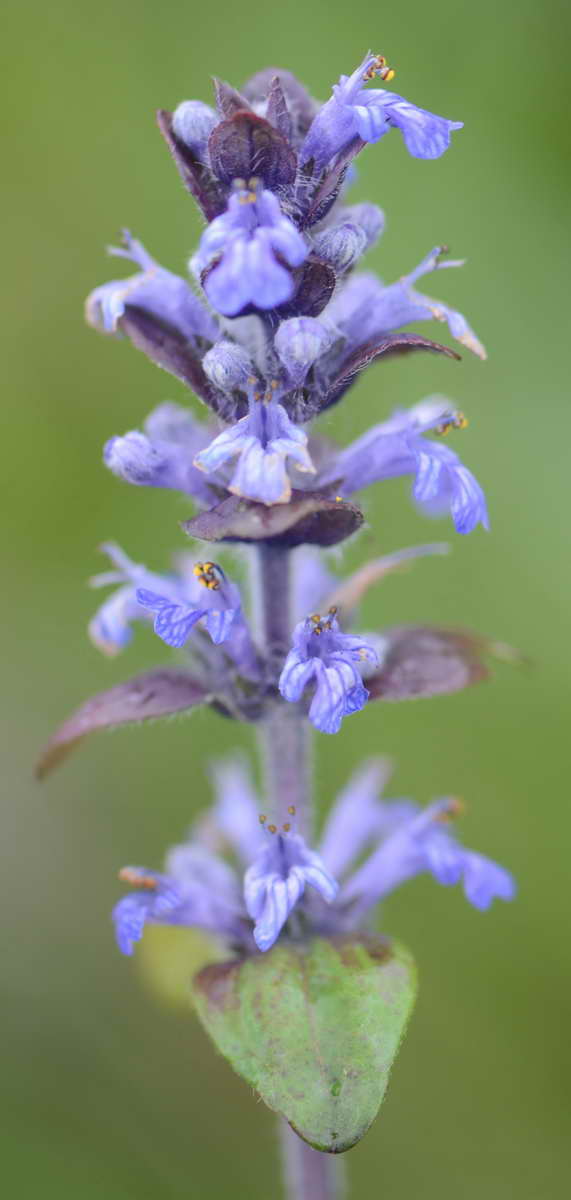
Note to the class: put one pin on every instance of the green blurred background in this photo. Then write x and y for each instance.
(107, 1092)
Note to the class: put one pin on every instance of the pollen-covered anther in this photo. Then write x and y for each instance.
(458, 421)
(208, 574)
(136, 878)
(291, 810)
(272, 828)
(286, 828)
(381, 68)
(454, 808)
(323, 624)
(270, 392)
(262, 818)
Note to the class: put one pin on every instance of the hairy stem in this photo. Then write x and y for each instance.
(284, 732)
(284, 736)
(309, 1174)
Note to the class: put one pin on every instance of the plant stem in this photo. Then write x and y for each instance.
(284, 733)
(309, 1174)
(284, 736)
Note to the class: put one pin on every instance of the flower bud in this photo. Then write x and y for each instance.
(341, 245)
(370, 218)
(227, 365)
(193, 123)
(299, 342)
(133, 458)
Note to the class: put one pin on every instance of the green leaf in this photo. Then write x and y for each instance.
(314, 1028)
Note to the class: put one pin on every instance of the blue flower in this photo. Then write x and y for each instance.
(396, 447)
(199, 888)
(243, 248)
(321, 654)
(354, 111)
(365, 309)
(276, 882)
(197, 592)
(154, 289)
(110, 628)
(420, 843)
(163, 456)
(217, 604)
(263, 442)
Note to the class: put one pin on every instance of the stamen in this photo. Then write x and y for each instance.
(291, 810)
(208, 574)
(262, 818)
(272, 829)
(455, 806)
(322, 624)
(136, 878)
(286, 828)
(381, 68)
(458, 421)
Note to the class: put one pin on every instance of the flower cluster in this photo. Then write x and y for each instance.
(285, 880)
(273, 326)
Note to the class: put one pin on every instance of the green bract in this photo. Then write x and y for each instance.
(314, 1028)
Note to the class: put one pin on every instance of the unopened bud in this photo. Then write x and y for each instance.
(341, 245)
(193, 123)
(299, 342)
(369, 218)
(133, 458)
(227, 365)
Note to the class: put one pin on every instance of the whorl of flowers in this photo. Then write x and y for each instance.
(274, 326)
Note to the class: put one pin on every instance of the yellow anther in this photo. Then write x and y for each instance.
(322, 624)
(272, 829)
(137, 879)
(380, 67)
(291, 810)
(458, 421)
(454, 808)
(286, 828)
(339, 499)
(332, 610)
(207, 575)
(262, 818)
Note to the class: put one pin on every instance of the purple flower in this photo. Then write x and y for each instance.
(163, 456)
(263, 442)
(357, 112)
(420, 843)
(200, 889)
(197, 592)
(322, 655)
(154, 289)
(110, 628)
(276, 881)
(365, 309)
(396, 447)
(244, 249)
(215, 600)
